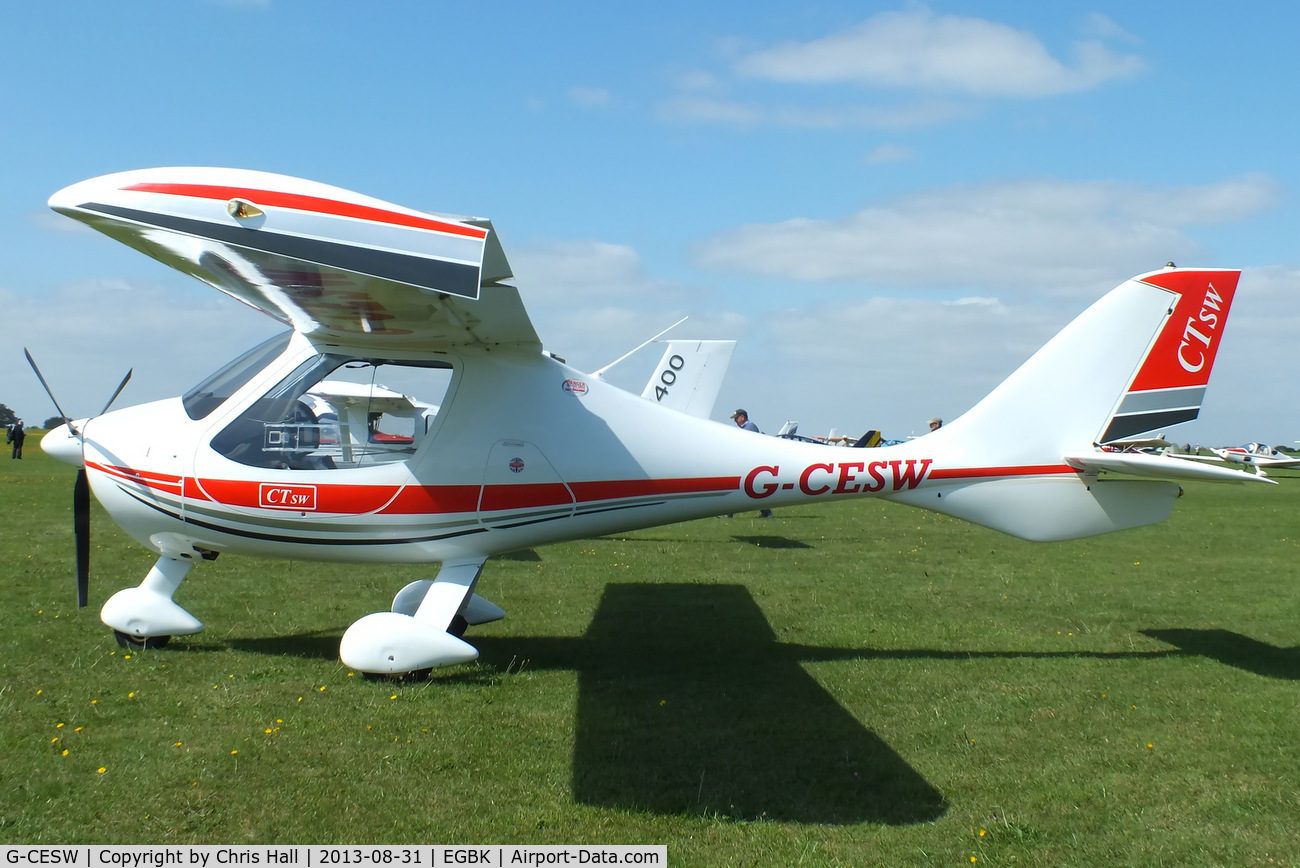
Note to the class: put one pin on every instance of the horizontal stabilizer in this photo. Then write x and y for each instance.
(1157, 467)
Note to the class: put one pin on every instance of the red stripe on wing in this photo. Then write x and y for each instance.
(314, 204)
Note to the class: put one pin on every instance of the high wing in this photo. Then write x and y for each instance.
(341, 393)
(333, 264)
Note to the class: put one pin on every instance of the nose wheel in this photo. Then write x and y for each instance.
(139, 643)
(147, 616)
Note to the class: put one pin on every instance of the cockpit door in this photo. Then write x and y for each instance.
(521, 487)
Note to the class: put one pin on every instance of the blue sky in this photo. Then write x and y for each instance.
(890, 206)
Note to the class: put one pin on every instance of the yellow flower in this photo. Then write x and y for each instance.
(100, 770)
(65, 751)
(233, 752)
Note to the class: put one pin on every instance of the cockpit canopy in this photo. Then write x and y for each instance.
(335, 410)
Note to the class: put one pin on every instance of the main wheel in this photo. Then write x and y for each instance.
(133, 643)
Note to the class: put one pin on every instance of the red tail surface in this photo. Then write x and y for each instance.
(1171, 382)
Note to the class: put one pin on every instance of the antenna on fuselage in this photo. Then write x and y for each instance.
(602, 371)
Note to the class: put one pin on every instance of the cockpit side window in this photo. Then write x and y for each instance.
(337, 411)
(213, 391)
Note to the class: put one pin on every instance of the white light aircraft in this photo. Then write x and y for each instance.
(1255, 455)
(409, 414)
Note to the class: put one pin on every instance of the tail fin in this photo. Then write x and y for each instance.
(1171, 383)
(1026, 459)
(870, 439)
(1137, 360)
(689, 376)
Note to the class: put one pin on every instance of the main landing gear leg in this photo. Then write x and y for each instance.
(146, 616)
(415, 636)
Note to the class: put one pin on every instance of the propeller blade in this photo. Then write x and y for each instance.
(48, 391)
(81, 530)
(120, 387)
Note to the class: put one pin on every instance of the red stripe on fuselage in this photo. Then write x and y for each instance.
(146, 478)
(347, 499)
(987, 472)
(314, 204)
(617, 489)
(342, 499)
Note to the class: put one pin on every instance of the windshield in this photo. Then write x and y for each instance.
(339, 411)
(213, 391)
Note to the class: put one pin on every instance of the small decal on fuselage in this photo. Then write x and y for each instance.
(296, 497)
(516, 465)
(575, 387)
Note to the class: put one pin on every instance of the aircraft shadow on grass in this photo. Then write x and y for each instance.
(1236, 650)
(687, 703)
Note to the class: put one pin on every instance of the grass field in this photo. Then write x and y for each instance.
(844, 684)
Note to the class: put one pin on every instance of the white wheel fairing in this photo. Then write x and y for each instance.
(391, 643)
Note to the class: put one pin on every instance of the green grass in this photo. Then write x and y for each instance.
(844, 684)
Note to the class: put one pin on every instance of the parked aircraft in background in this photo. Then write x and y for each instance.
(790, 431)
(689, 376)
(1255, 455)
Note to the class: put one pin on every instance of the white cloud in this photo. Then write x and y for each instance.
(591, 97)
(1050, 234)
(884, 363)
(593, 301)
(891, 363)
(1253, 372)
(920, 50)
(694, 109)
(86, 336)
(918, 68)
(889, 154)
(584, 271)
(1102, 27)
